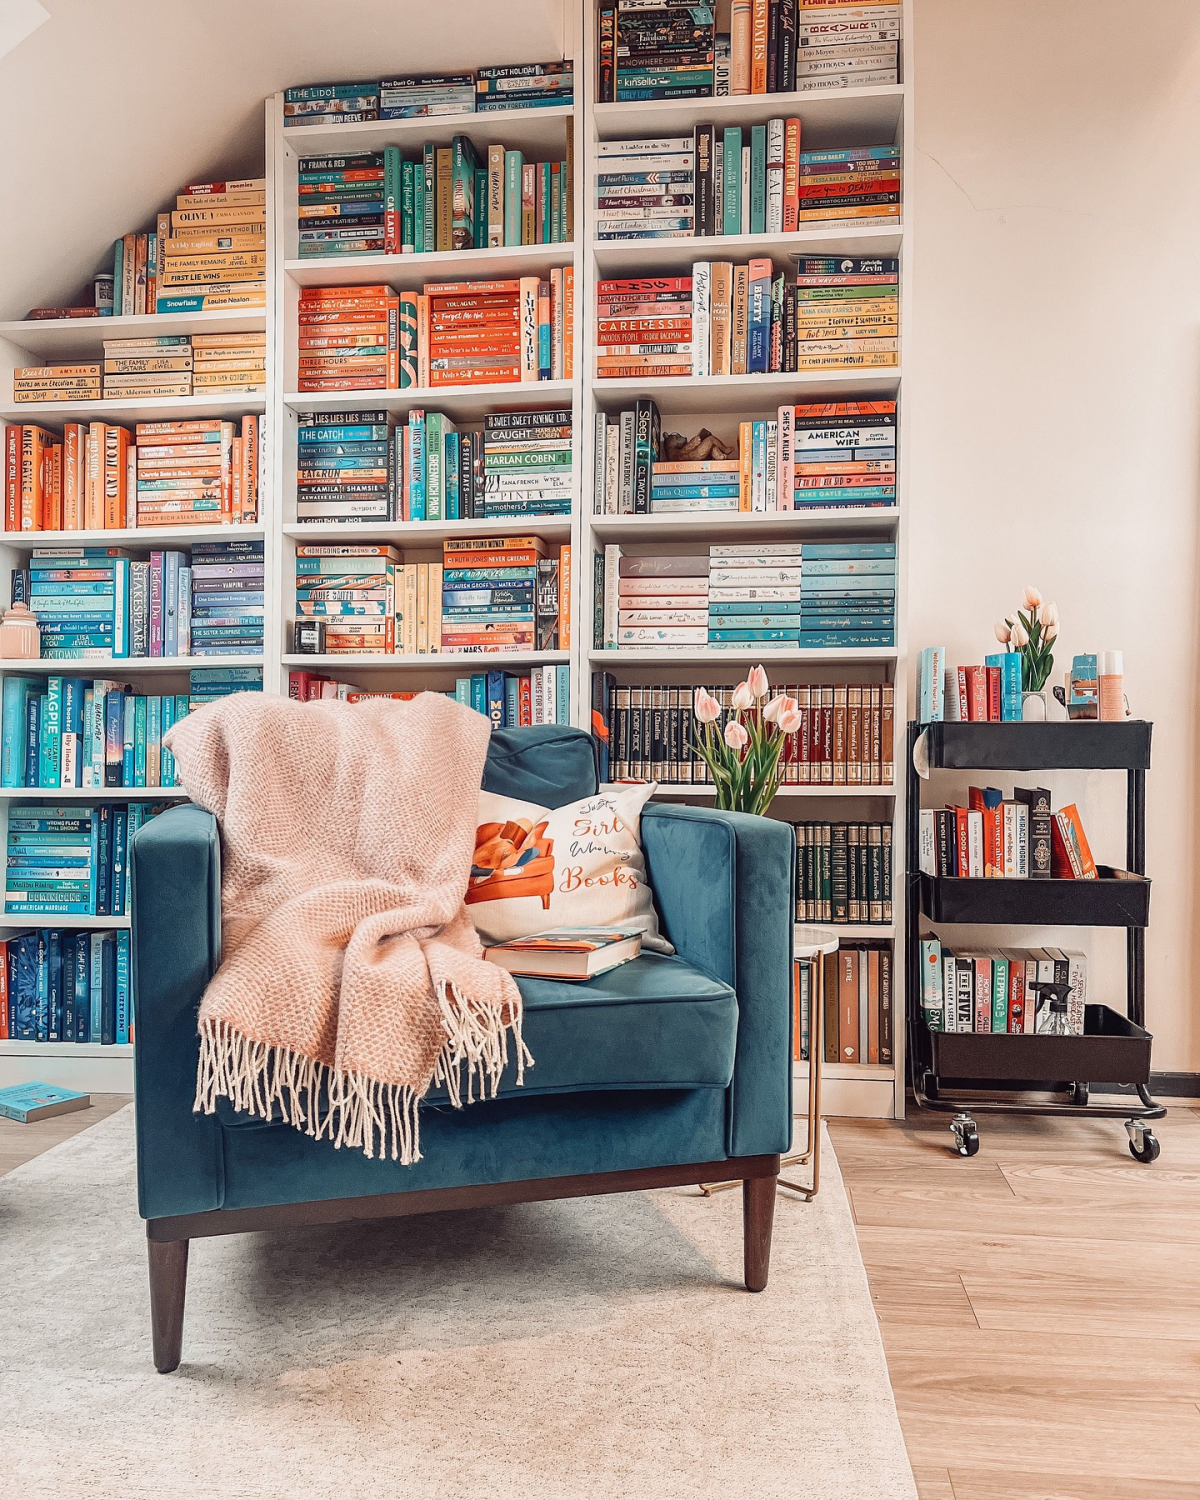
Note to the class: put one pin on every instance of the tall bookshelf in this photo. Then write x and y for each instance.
(851, 116)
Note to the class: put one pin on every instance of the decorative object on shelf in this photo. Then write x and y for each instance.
(1113, 707)
(1031, 633)
(20, 638)
(744, 760)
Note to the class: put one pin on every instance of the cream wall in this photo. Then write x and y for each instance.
(1055, 397)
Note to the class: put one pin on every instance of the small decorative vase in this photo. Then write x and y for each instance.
(1033, 708)
(20, 638)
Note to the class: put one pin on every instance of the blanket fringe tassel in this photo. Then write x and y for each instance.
(345, 1106)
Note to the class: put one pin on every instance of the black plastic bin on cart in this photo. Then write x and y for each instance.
(1114, 1048)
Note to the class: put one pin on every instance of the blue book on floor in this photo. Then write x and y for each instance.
(25, 1102)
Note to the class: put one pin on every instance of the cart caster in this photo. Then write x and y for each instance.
(966, 1135)
(1079, 1094)
(1143, 1144)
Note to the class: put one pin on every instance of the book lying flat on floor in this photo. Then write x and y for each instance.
(568, 952)
(26, 1102)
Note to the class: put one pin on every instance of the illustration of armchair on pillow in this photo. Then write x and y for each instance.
(512, 859)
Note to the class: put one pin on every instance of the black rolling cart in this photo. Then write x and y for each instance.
(1115, 1048)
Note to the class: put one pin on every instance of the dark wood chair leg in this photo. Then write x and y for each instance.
(168, 1286)
(758, 1214)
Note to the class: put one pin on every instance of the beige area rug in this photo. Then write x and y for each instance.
(561, 1351)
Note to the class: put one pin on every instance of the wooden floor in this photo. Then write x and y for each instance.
(1039, 1303)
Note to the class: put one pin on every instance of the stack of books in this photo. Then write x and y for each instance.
(148, 367)
(490, 593)
(69, 861)
(207, 684)
(855, 993)
(844, 872)
(72, 732)
(515, 700)
(349, 338)
(1002, 990)
(645, 189)
(353, 589)
(331, 103)
(692, 485)
(755, 594)
(846, 310)
(848, 594)
(495, 332)
(343, 467)
(655, 51)
(340, 208)
(437, 470)
(198, 472)
(229, 364)
(64, 382)
(526, 464)
(65, 986)
(644, 327)
(416, 94)
(525, 86)
(80, 596)
(1015, 838)
(851, 185)
(986, 694)
(210, 252)
(652, 601)
(228, 582)
(846, 44)
(842, 454)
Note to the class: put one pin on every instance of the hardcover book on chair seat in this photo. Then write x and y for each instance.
(568, 952)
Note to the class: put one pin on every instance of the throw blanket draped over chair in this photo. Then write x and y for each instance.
(351, 977)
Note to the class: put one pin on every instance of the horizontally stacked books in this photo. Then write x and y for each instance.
(142, 369)
(212, 249)
(1015, 990)
(196, 473)
(91, 847)
(508, 331)
(847, 44)
(811, 595)
(648, 733)
(511, 700)
(645, 189)
(844, 872)
(837, 455)
(505, 594)
(456, 197)
(655, 51)
(408, 96)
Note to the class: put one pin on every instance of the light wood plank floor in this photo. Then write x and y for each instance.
(1039, 1303)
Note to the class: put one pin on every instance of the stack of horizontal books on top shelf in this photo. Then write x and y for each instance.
(415, 95)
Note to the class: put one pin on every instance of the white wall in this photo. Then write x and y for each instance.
(1055, 351)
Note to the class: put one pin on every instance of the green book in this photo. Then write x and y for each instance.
(407, 334)
(435, 465)
(139, 740)
(758, 179)
(391, 199)
(464, 163)
(418, 207)
(1000, 994)
(513, 162)
(564, 193)
(542, 209)
(430, 220)
(481, 190)
(731, 147)
(406, 207)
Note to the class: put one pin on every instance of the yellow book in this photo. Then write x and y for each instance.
(215, 260)
(739, 339)
(169, 276)
(189, 218)
(206, 244)
(422, 609)
(746, 462)
(435, 608)
(181, 234)
(222, 200)
(721, 316)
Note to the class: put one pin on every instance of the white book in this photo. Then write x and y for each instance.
(745, 189)
(701, 314)
(877, 78)
(667, 191)
(537, 699)
(612, 470)
(950, 695)
(772, 550)
(927, 842)
(785, 463)
(1029, 1018)
(770, 495)
(774, 176)
(750, 577)
(1077, 998)
(764, 593)
(612, 581)
(808, 66)
(932, 984)
(671, 635)
(974, 845)
(949, 993)
(674, 145)
(880, 52)
(625, 507)
(599, 464)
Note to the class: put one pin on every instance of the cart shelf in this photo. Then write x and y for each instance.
(1115, 899)
(1079, 746)
(1111, 1047)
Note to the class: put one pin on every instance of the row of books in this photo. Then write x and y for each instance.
(648, 733)
(225, 364)
(70, 732)
(843, 872)
(808, 594)
(92, 603)
(62, 986)
(487, 594)
(672, 51)
(408, 96)
(97, 476)
(987, 694)
(1031, 990)
(72, 860)
(451, 334)
(456, 197)
(352, 466)
(735, 182)
(854, 993)
(1015, 838)
(511, 700)
(727, 319)
(838, 454)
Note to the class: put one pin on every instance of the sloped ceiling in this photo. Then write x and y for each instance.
(112, 105)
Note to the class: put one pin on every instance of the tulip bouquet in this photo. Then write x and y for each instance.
(744, 758)
(1032, 633)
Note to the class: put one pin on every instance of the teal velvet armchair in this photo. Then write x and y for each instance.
(667, 1071)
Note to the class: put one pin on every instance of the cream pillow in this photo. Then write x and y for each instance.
(580, 865)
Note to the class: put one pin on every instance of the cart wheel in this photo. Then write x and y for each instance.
(1079, 1094)
(1148, 1150)
(966, 1135)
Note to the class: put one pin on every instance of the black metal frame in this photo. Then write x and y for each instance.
(1116, 1049)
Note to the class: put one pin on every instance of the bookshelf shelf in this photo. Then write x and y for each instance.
(765, 524)
(466, 401)
(529, 129)
(430, 533)
(686, 789)
(841, 116)
(710, 394)
(163, 409)
(126, 666)
(63, 1049)
(736, 657)
(636, 257)
(11, 923)
(87, 1066)
(451, 662)
(146, 537)
(408, 272)
(51, 336)
(93, 794)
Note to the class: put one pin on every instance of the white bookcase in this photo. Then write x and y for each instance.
(840, 116)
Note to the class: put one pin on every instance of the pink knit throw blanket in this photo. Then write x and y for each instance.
(351, 976)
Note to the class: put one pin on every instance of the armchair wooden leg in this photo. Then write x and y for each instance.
(168, 1286)
(758, 1214)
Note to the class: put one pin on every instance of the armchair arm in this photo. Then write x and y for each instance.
(724, 884)
(175, 871)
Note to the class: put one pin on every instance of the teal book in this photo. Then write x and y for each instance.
(758, 179)
(562, 709)
(513, 162)
(118, 277)
(139, 740)
(731, 208)
(555, 203)
(122, 986)
(14, 727)
(451, 506)
(462, 691)
(1000, 994)
(564, 211)
(50, 734)
(429, 157)
(479, 692)
(406, 207)
(416, 484)
(154, 731)
(480, 231)
(464, 166)
(26, 1102)
(120, 606)
(418, 207)
(96, 986)
(435, 461)
(542, 207)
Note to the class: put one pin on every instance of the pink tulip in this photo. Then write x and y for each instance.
(1003, 631)
(707, 709)
(743, 697)
(774, 709)
(736, 736)
(757, 682)
(791, 720)
(1033, 598)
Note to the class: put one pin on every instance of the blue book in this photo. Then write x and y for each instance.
(451, 503)
(758, 324)
(108, 989)
(170, 602)
(512, 701)
(724, 637)
(121, 980)
(42, 989)
(824, 551)
(68, 986)
(846, 622)
(695, 492)
(863, 494)
(1009, 665)
(495, 699)
(754, 607)
(847, 567)
(26, 1102)
(732, 180)
(128, 739)
(139, 740)
(23, 980)
(758, 181)
(820, 639)
(462, 691)
(102, 858)
(14, 726)
(83, 987)
(33, 732)
(416, 485)
(479, 697)
(54, 984)
(120, 613)
(120, 843)
(96, 985)
(50, 734)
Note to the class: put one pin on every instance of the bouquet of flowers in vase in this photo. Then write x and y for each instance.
(1032, 632)
(743, 758)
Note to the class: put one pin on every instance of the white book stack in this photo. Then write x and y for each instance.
(645, 189)
(857, 46)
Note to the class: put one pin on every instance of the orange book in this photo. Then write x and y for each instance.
(116, 457)
(93, 505)
(746, 463)
(74, 440)
(759, 32)
(847, 961)
(469, 288)
(12, 478)
(791, 175)
(1070, 853)
(564, 597)
(336, 293)
(741, 27)
(568, 314)
(52, 512)
(525, 703)
(237, 478)
(422, 339)
(33, 445)
(721, 317)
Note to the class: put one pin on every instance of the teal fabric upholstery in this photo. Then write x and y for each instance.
(664, 1061)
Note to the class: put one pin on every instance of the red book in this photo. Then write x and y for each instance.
(525, 703)
(1070, 853)
(962, 840)
(1016, 995)
(993, 694)
(976, 695)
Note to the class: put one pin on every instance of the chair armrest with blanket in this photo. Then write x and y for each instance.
(724, 885)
